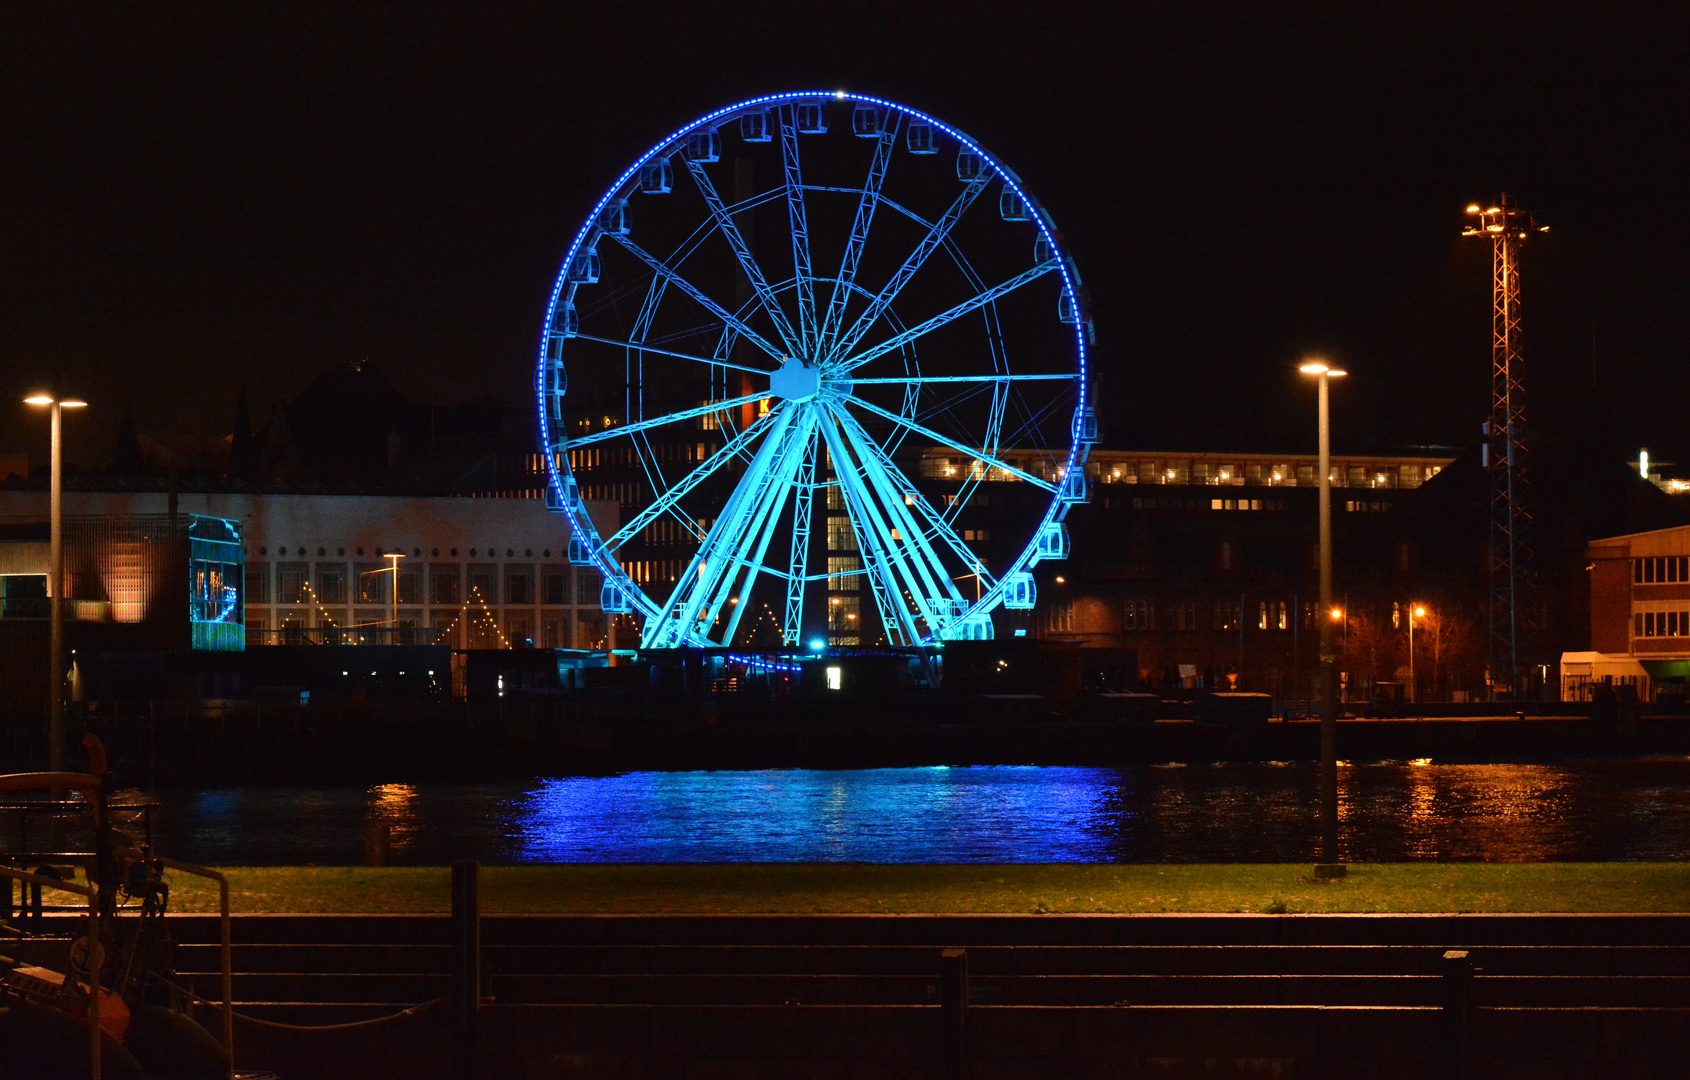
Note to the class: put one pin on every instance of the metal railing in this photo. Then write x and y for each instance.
(92, 895)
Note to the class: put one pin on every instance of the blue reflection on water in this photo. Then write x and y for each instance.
(1258, 812)
(982, 814)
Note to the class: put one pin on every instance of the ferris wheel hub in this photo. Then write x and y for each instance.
(795, 380)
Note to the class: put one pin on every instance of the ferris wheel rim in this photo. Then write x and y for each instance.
(556, 444)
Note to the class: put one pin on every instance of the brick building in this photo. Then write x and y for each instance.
(1639, 617)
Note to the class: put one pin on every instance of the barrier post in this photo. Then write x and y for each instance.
(953, 1006)
(1458, 1011)
(466, 966)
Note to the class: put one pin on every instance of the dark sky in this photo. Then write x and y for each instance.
(197, 197)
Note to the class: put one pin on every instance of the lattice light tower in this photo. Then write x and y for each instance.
(1508, 227)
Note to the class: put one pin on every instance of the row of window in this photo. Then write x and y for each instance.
(1244, 504)
(1660, 570)
(439, 583)
(1190, 615)
(1184, 471)
(662, 453)
(1661, 624)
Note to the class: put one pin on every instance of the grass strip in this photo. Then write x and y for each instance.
(811, 888)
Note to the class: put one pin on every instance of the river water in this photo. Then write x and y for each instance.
(1263, 812)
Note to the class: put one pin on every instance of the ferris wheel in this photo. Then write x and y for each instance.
(829, 355)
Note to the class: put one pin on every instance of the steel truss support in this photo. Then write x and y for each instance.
(1512, 622)
(940, 527)
(804, 496)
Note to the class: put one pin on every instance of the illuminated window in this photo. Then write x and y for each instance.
(843, 613)
(843, 573)
(840, 535)
(1059, 618)
(835, 678)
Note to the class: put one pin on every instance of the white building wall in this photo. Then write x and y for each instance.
(508, 558)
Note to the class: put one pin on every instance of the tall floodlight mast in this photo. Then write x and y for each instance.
(1508, 228)
(829, 355)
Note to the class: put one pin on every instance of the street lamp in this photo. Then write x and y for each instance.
(56, 579)
(1330, 866)
(1415, 611)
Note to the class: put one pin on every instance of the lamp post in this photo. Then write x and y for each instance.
(56, 579)
(1415, 611)
(1329, 866)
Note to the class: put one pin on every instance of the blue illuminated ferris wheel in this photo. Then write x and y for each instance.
(829, 355)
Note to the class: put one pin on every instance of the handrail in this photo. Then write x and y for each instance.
(94, 949)
(50, 882)
(223, 925)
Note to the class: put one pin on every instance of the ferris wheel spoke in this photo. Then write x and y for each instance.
(978, 454)
(896, 587)
(901, 380)
(659, 421)
(798, 565)
(973, 303)
(800, 223)
(642, 347)
(665, 502)
(742, 251)
(853, 256)
(659, 267)
(929, 244)
(910, 495)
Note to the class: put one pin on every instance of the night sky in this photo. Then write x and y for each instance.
(197, 198)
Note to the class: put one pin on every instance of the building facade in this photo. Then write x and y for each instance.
(1639, 617)
(1205, 567)
(468, 573)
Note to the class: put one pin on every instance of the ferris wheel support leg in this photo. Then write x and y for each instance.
(916, 584)
(915, 541)
(675, 624)
(771, 512)
(798, 565)
(940, 527)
